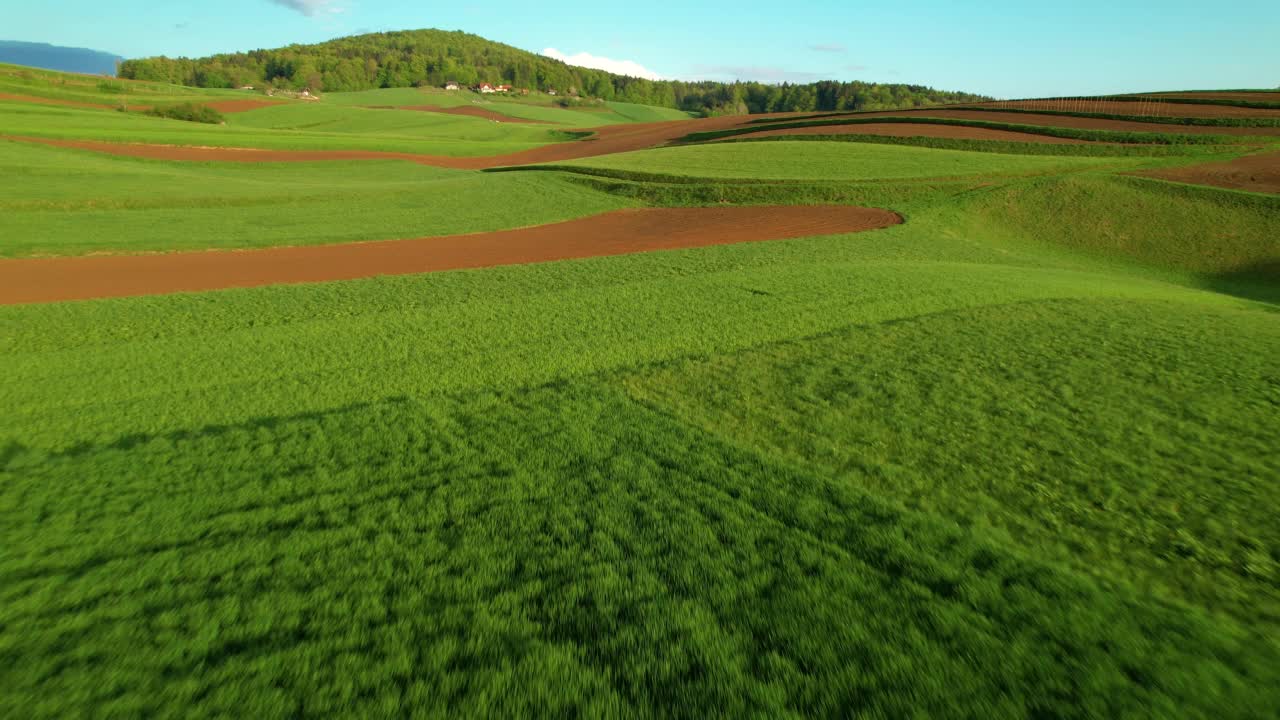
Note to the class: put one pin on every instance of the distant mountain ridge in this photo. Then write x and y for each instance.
(434, 57)
(58, 57)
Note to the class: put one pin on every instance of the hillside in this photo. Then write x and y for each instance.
(55, 57)
(433, 57)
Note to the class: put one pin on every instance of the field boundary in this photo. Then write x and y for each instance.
(618, 232)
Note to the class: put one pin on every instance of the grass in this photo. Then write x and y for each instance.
(1010, 147)
(19, 80)
(456, 137)
(537, 107)
(400, 123)
(830, 161)
(647, 113)
(1112, 136)
(1257, 122)
(127, 205)
(1010, 458)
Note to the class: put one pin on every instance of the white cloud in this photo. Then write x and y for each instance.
(618, 67)
(310, 8)
(829, 48)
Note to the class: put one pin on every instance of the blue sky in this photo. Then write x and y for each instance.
(999, 47)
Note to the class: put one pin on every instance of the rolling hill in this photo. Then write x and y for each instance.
(433, 57)
(56, 57)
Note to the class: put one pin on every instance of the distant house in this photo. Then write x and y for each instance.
(246, 87)
(551, 92)
(452, 85)
(486, 88)
(503, 88)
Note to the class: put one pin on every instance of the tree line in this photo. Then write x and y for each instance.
(434, 57)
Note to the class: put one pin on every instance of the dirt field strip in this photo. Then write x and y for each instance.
(222, 106)
(1224, 95)
(1255, 173)
(614, 233)
(236, 106)
(955, 132)
(606, 140)
(49, 101)
(1155, 107)
(473, 111)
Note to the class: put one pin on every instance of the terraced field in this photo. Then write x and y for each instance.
(1009, 455)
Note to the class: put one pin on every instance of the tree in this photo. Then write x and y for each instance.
(405, 59)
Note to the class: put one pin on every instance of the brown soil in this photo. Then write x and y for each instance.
(1256, 173)
(918, 130)
(222, 106)
(472, 111)
(1067, 121)
(1248, 96)
(1153, 107)
(219, 154)
(49, 101)
(615, 233)
(235, 106)
(606, 140)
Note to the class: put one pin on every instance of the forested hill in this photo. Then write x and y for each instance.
(433, 57)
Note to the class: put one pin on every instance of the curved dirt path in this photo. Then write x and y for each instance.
(1255, 173)
(1152, 106)
(472, 111)
(614, 233)
(606, 140)
(955, 132)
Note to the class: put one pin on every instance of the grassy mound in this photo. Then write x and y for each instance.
(1195, 229)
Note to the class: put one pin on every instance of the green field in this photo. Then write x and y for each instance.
(273, 129)
(789, 160)
(18, 80)
(537, 107)
(127, 205)
(1014, 457)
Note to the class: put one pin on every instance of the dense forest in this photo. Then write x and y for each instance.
(433, 57)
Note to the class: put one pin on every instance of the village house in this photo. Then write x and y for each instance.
(452, 85)
(486, 88)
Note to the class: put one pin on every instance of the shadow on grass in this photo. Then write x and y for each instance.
(1258, 281)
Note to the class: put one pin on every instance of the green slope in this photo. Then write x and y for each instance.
(356, 129)
(1010, 458)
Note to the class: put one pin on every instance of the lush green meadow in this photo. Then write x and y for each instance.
(120, 204)
(537, 107)
(1012, 458)
(837, 161)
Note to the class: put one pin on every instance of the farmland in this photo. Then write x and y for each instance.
(1007, 451)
